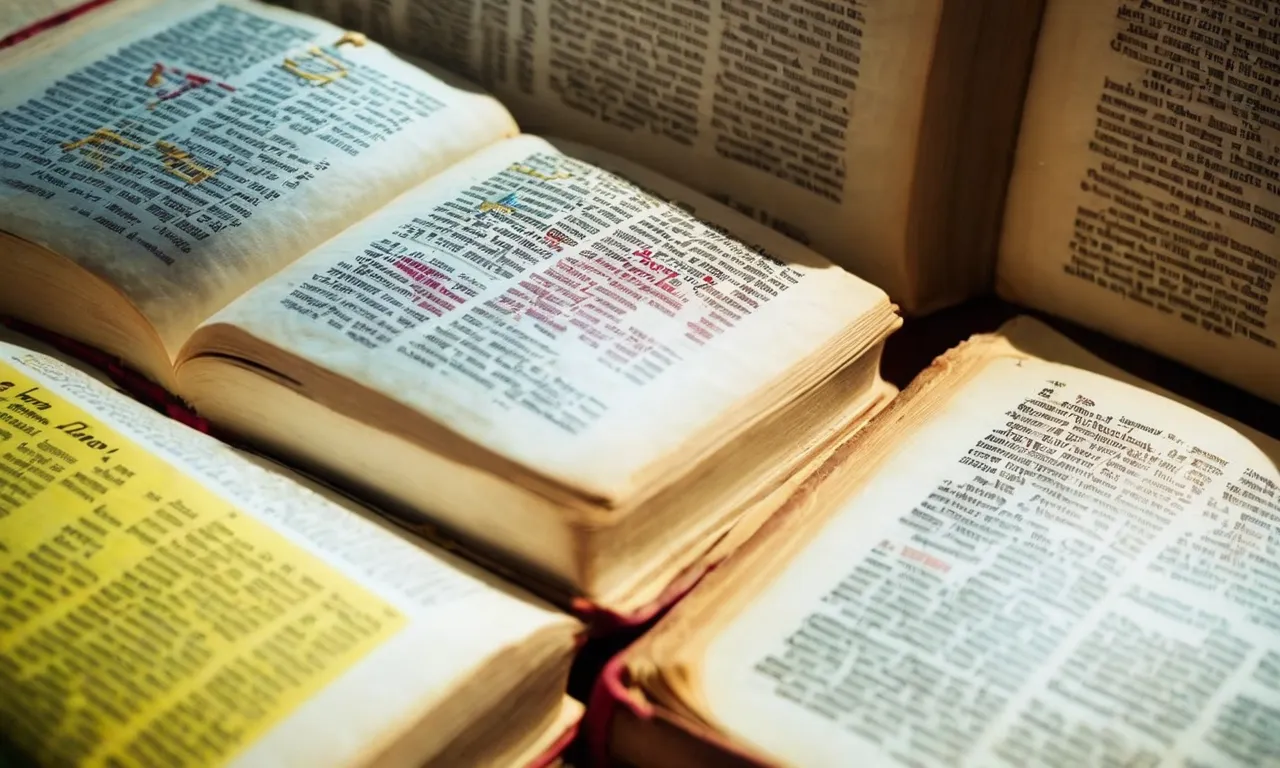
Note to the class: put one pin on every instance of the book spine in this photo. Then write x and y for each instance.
(608, 696)
(614, 699)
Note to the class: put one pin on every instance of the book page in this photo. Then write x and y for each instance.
(1054, 568)
(1146, 198)
(802, 115)
(167, 602)
(190, 150)
(564, 317)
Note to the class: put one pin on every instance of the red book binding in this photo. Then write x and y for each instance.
(135, 384)
(45, 24)
(613, 701)
(556, 751)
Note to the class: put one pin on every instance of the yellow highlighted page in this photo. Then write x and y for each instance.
(143, 619)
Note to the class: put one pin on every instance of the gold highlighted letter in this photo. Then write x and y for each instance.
(90, 144)
(338, 71)
(180, 164)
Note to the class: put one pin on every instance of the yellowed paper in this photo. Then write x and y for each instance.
(1146, 198)
(1054, 565)
(188, 151)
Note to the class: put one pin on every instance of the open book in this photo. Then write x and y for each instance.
(1030, 558)
(1146, 198)
(168, 602)
(556, 355)
(850, 125)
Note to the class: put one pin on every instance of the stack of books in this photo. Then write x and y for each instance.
(371, 365)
